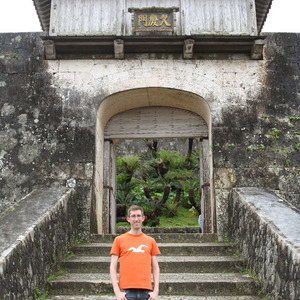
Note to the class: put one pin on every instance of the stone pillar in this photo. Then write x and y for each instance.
(205, 184)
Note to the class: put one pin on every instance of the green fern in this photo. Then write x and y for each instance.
(129, 163)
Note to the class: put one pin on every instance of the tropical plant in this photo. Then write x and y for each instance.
(128, 164)
(172, 159)
(172, 209)
(164, 180)
(194, 161)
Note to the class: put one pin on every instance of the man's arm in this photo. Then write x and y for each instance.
(114, 277)
(155, 271)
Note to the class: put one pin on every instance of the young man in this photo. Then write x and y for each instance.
(136, 253)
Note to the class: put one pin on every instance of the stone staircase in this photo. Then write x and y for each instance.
(192, 266)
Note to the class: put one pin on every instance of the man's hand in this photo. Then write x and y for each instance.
(153, 296)
(121, 296)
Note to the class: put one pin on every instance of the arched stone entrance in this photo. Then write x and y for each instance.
(103, 205)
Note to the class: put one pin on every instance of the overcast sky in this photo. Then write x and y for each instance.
(20, 16)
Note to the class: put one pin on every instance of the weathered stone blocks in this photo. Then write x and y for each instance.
(266, 232)
(34, 236)
(49, 114)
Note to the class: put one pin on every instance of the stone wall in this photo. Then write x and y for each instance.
(266, 232)
(257, 144)
(34, 237)
(49, 113)
(40, 145)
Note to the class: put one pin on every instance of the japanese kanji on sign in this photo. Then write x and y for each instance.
(153, 20)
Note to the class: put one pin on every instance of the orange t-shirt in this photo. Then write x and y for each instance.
(135, 252)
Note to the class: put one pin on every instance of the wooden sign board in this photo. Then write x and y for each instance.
(153, 20)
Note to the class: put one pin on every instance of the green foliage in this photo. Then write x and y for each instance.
(182, 174)
(194, 161)
(172, 159)
(191, 184)
(261, 295)
(122, 178)
(245, 271)
(39, 295)
(9, 56)
(184, 217)
(261, 147)
(125, 198)
(157, 184)
(12, 208)
(295, 133)
(251, 148)
(54, 258)
(227, 239)
(128, 163)
(275, 133)
(171, 209)
(133, 194)
(157, 171)
(58, 273)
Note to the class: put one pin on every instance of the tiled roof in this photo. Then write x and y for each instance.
(43, 10)
(262, 10)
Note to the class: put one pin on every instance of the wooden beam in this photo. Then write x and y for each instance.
(119, 48)
(188, 48)
(116, 47)
(49, 49)
(257, 49)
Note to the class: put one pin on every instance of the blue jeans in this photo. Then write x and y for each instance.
(137, 294)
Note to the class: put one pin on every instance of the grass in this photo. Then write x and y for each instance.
(184, 218)
(58, 273)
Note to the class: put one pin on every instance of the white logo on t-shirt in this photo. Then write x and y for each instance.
(138, 249)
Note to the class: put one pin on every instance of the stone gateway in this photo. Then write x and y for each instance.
(199, 69)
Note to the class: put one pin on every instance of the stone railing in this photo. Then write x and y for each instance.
(266, 231)
(34, 235)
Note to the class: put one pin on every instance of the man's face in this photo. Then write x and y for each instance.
(136, 219)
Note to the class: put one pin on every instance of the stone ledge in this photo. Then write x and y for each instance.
(266, 231)
(276, 212)
(26, 214)
(34, 235)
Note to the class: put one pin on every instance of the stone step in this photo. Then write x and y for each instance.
(163, 238)
(167, 264)
(190, 284)
(192, 265)
(166, 249)
(169, 297)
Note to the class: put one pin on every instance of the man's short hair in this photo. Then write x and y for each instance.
(133, 208)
